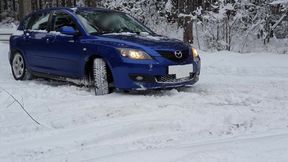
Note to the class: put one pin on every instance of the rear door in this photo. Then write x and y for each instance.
(35, 36)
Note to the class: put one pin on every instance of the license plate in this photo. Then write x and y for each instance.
(181, 71)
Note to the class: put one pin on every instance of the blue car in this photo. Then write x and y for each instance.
(102, 49)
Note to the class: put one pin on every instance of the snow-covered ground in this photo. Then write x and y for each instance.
(237, 112)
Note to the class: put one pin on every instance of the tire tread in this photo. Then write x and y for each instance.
(100, 77)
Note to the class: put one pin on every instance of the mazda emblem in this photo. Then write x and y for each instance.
(178, 54)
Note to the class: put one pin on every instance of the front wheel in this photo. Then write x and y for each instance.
(19, 69)
(100, 77)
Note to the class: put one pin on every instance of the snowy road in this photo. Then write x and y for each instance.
(237, 112)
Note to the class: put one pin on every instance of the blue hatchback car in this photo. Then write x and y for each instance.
(100, 48)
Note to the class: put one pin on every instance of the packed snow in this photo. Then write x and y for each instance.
(237, 112)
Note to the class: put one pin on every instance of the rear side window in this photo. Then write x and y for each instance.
(63, 19)
(24, 23)
(39, 22)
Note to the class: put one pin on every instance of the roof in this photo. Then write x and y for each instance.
(75, 9)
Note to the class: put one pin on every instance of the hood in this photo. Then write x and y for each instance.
(154, 42)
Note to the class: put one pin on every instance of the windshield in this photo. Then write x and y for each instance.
(97, 22)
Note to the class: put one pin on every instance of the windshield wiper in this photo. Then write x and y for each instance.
(101, 32)
(96, 33)
(109, 32)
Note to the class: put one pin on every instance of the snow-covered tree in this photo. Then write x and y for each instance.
(230, 24)
(210, 24)
(151, 13)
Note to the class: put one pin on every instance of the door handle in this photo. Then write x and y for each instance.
(50, 39)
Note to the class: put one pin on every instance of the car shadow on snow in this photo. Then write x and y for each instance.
(156, 92)
(163, 92)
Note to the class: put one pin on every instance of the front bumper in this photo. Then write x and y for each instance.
(152, 75)
(169, 84)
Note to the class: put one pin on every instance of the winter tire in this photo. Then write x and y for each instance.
(19, 69)
(101, 84)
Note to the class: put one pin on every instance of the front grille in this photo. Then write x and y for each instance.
(172, 78)
(170, 55)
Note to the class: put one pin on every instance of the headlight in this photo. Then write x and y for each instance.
(195, 53)
(134, 54)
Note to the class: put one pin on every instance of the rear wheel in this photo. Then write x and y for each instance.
(100, 78)
(19, 69)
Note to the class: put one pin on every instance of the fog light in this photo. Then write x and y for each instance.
(142, 78)
(139, 78)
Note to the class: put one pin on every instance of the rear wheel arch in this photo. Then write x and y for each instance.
(14, 51)
(25, 74)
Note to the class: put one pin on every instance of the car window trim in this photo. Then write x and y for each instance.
(53, 14)
(31, 18)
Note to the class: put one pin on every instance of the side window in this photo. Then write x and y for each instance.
(39, 22)
(63, 19)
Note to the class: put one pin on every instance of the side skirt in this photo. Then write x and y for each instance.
(80, 82)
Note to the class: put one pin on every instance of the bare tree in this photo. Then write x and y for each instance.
(188, 30)
(40, 4)
(69, 3)
(187, 7)
(1, 11)
(5, 4)
(91, 3)
(14, 5)
(63, 3)
(25, 7)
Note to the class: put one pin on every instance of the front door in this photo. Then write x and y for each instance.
(64, 51)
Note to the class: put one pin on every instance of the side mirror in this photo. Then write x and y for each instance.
(68, 30)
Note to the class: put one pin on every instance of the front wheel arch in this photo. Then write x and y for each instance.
(89, 69)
